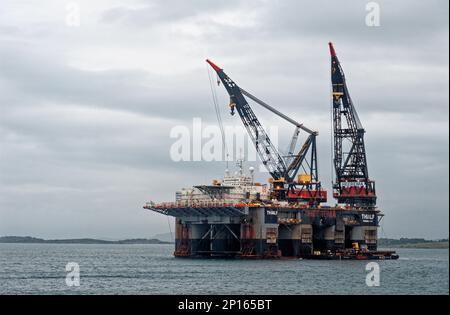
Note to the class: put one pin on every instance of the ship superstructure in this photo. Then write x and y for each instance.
(233, 188)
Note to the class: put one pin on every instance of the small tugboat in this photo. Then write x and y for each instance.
(355, 253)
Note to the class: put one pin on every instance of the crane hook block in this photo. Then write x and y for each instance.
(232, 106)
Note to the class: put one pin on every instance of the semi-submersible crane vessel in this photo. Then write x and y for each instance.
(237, 217)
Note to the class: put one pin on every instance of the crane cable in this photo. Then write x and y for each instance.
(217, 110)
(331, 138)
(170, 229)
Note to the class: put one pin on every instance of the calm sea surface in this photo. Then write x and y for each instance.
(151, 269)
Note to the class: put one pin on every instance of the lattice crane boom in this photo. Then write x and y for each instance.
(264, 146)
(352, 185)
(283, 171)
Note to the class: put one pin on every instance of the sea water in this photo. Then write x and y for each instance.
(152, 269)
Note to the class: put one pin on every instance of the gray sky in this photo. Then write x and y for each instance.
(86, 111)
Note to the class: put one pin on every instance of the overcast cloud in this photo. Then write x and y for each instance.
(86, 112)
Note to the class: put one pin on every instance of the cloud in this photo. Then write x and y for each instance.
(146, 13)
(87, 111)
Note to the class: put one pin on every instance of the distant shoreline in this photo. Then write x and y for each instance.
(418, 243)
(34, 240)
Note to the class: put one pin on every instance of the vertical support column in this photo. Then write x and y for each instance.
(371, 237)
(289, 233)
(329, 237)
(306, 247)
(247, 246)
(182, 239)
(339, 234)
(251, 233)
(357, 235)
(284, 240)
(259, 233)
